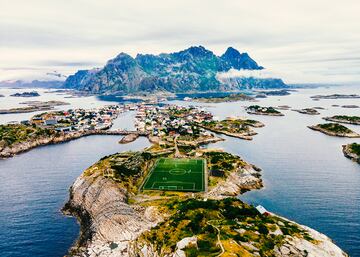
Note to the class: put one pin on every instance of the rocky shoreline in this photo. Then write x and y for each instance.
(309, 111)
(10, 151)
(26, 94)
(332, 119)
(110, 225)
(324, 246)
(265, 113)
(332, 133)
(247, 135)
(349, 154)
(118, 217)
(335, 96)
(34, 106)
(246, 179)
(225, 99)
(128, 139)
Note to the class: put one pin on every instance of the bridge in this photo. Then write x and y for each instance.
(117, 132)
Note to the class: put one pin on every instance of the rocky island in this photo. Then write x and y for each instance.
(352, 151)
(309, 111)
(224, 99)
(16, 138)
(26, 94)
(233, 127)
(259, 110)
(263, 94)
(119, 216)
(354, 120)
(128, 138)
(34, 106)
(335, 129)
(335, 96)
(350, 106)
(283, 107)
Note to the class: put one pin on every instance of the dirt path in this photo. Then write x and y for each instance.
(218, 238)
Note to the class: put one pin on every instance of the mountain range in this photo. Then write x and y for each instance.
(32, 84)
(195, 69)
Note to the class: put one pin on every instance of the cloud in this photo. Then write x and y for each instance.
(305, 38)
(233, 73)
(59, 63)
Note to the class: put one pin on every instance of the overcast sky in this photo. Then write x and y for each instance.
(300, 41)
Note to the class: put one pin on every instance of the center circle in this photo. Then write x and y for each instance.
(177, 171)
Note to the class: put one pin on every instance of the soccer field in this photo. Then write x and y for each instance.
(177, 175)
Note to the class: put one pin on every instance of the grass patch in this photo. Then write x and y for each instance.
(232, 126)
(260, 109)
(355, 148)
(335, 127)
(177, 175)
(347, 118)
(15, 133)
(230, 220)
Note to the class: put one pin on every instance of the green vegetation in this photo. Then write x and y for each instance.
(191, 70)
(345, 119)
(227, 98)
(348, 118)
(229, 125)
(221, 164)
(335, 127)
(127, 169)
(355, 148)
(260, 109)
(229, 223)
(16, 133)
(310, 111)
(178, 113)
(176, 175)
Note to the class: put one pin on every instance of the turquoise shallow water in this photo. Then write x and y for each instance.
(306, 177)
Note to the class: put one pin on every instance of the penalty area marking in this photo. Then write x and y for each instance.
(169, 185)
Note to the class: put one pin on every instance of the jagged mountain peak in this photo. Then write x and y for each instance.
(231, 52)
(121, 58)
(240, 60)
(198, 50)
(192, 69)
(195, 51)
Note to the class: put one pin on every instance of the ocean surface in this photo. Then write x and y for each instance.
(306, 176)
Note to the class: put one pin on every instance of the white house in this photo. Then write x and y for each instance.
(262, 210)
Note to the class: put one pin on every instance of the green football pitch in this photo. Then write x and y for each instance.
(177, 175)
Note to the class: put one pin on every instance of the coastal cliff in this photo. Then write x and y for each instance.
(56, 138)
(9, 151)
(113, 223)
(246, 179)
(108, 223)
